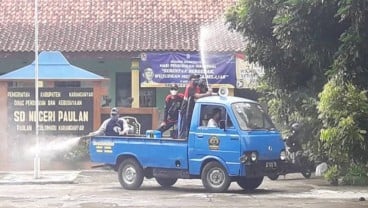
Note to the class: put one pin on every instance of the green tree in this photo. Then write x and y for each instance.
(295, 42)
(343, 102)
(302, 44)
(351, 59)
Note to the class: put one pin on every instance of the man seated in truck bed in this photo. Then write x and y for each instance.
(113, 126)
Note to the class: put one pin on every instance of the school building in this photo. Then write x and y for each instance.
(120, 40)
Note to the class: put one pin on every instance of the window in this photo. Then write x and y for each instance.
(211, 115)
(147, 97)
(251, 116)
(124, 89)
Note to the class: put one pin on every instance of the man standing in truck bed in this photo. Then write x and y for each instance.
(173, 103)
(192, 93)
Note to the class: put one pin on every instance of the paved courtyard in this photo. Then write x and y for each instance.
(100, 188)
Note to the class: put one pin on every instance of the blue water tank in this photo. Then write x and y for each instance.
(153, 134)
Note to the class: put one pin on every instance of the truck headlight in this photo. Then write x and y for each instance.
(249, 157)
(253, 156)
(283, 155)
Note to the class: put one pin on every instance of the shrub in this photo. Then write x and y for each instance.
(332, 175)
(356, 175)
(343, 110)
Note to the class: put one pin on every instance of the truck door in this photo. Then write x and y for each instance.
(212, 141)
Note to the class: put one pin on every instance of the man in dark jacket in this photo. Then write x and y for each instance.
(172, 106)
(191, 94)
(113, 126)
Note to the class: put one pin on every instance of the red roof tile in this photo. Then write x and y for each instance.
(116, 25)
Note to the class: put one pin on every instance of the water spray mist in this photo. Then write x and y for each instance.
(203, 37)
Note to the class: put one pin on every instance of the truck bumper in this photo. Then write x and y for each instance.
(264, 168)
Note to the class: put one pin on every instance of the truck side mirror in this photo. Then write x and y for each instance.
(295, 126)
(222, 124)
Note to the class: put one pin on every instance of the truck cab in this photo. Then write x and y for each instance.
(243, 147)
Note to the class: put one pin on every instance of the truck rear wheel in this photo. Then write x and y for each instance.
(166, 182)
(130, 174)
(273, 176)
(215, 178)
(249, 184)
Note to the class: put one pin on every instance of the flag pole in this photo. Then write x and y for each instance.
(36, 162)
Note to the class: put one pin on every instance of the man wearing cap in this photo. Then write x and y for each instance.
(192, 93)
(113, 126)
(172, 106)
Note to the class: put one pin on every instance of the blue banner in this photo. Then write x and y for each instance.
(163, 69)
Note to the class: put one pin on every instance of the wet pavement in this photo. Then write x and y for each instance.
(100, 188)
(46, 177)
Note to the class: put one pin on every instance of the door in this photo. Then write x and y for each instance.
(212, 141)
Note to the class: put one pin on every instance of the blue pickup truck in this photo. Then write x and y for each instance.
(244, 148)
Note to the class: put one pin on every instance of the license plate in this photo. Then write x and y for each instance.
(271, 164)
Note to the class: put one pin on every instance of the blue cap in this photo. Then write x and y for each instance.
(114, 111)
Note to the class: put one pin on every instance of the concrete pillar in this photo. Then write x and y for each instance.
(97, 96)
(135, 82)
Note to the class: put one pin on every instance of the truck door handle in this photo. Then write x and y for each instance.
(234, 137)
(200, 135)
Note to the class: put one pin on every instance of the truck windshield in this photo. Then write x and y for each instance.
(251, 116)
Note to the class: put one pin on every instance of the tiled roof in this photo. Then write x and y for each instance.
(116, 25)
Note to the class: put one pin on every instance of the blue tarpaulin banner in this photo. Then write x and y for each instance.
(163, 69)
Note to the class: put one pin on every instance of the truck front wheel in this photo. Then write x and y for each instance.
(250, 184)
(130, 174)
(166, 182)
(215, 178)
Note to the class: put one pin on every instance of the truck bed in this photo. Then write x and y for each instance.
(152, 152)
